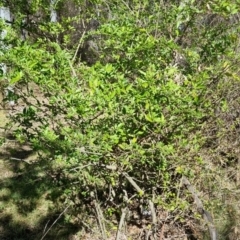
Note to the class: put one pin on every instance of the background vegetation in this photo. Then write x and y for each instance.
(115, 104)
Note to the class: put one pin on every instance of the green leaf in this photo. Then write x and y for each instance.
(16, 78)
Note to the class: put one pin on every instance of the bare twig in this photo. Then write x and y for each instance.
(19, 159)
(126, 4)
(100, 220)
(83, 150)
(44, 230)
(109, 167)
(78, 47)
(154, 218)
(139, 190)
(55, 222)
(206, 215)
(121, 223)
(73, 70)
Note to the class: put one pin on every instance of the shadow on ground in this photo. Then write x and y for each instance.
(27, 207)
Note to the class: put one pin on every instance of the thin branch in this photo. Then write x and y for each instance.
(100, 220)
(19, 159)
(83, 150)
(108, 167)
(121, 223)
(44, 230)
(154, 218)
(78, 47)
(139, 190)
(72, 68)
(55, 222)
(206, 215)
(127, 6)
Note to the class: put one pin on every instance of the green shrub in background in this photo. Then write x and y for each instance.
(138, 110)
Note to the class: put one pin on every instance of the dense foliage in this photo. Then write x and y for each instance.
(134, 97)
